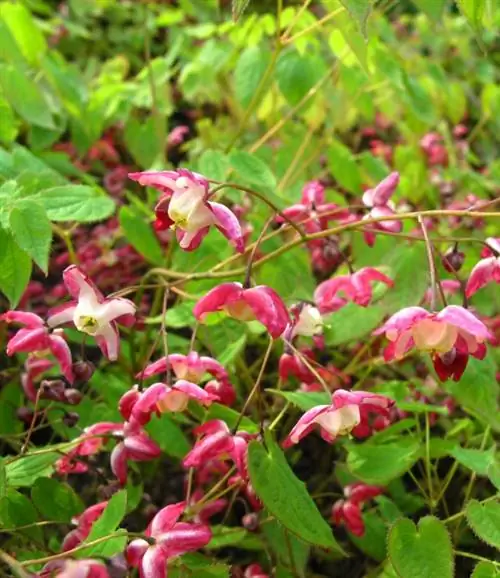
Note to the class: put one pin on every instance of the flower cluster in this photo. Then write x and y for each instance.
(348, 511)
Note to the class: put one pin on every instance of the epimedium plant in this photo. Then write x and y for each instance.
(279, 239)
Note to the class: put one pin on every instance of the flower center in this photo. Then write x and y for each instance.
(87, 324)
(240, 310)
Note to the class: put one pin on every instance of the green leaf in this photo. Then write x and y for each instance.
(15, 268)
(140, 235)
(425, 550)
(473, 10)
(484, 519)
(253, 170)
(25, 470)
(494, 474)
(3, 479)
(352, 322)
(344, 168)
(485, 570)
(477, 390)
(9, 124)
(32, 231)
(25, 97)
(285, 496)
(107, 524)
(16, 510)
(233, 350)
(56, 500)
(214, 165)
(297, 74)
(249, 72)
(478, 461)
(380, 463)
(238, 7)
(289, 550)
(223, 536)
(433, 8)
(141, 138)
(359, 11)
(373, 541)
(231, 417)
(304, 400)
(78, 203)
(169, 436)
(23, 28)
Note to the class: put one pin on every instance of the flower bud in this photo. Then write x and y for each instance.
(25, 414)
(53, 389)
(453, 259)
(83, 371)
(250, 522)
(73, 396)
(71, 419)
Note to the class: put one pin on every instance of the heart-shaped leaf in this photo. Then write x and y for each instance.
(485, 570)
(484, 519)
(421, 551)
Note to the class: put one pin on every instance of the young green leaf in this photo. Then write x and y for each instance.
(425, 550)
(31, 229)
(484, 519)
(485, 570)
(78, 203)
(15, 268)
(359, 11)
(23, 472)
(285, 496)
(252, 169)
(56, 500)
(376, 463)
(140, 235)
(23, 28)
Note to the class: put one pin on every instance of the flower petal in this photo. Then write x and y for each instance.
(184, 538)
(61, 314)
(216, 299)
(268, 308)
(304, 425)
(61, 351)
(228, 225)
(166, 518)
(108, 341)
(464, 319)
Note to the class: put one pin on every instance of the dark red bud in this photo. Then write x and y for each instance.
(73, 396)
(25, 414)
(71, 419)
(453, 260)
(53, 389)
(83, 371)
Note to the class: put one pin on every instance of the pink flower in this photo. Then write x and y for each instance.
(450, 336)
(168, 538)
(218, 441)
(185, 206)
(36, 338)
(84, 524)
(491, 248)
(222, 390)
(356, 287)
(160, 398)
(347, 411)
(378, 200)
(261, 303)
(208, 509)
(74, 569)
(191, 367)
(484, 272)
(348, 511)
(306, 321)
(92, 313)
(34, 367)
(255, 571)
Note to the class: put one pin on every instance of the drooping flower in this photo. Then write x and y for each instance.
(185, 206)
(169, 539)
(92, 313)
(348, 410)
(450, 336)
(216, 441)
(255, 571)
(356, 287)
(485, 271)
(380, 205)
(348, 511)
(191, 367)
(34, 367)
(306, 321)
(160, 398)
(36, 339)
(74, 569)
(261, 303)
(83, 524)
